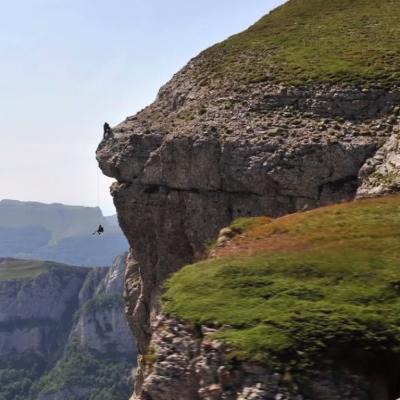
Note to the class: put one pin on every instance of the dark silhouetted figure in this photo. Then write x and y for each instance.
(99, 230)
(107, 130)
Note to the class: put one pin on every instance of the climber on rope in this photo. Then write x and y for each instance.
(107, 130)
(99, 230)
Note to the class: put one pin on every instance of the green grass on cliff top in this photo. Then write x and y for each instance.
(324, 282)
(14, 269)
(303, 41)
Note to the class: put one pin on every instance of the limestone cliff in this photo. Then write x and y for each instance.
(54, 320)
(101, 325)
(247, 129)
(40, 326)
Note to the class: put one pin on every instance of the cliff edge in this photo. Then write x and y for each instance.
(299, 111)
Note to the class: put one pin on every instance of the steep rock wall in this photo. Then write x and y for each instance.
(40, 326)
(102, 326)
(55, 319)
(100, 330)
(225, 139)
(187, 363)
(197, 158)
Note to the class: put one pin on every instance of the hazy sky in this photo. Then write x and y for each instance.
(69, 65)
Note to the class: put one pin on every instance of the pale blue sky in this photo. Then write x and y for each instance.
(69, 65)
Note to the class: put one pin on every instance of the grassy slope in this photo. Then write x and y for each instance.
(11, 269)
(350, 41)
(303, 285)
(21, 269)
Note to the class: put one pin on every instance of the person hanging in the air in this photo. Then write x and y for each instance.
(99, 230)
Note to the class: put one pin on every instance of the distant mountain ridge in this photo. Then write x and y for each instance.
(58, 232)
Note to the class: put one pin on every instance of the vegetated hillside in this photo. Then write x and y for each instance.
(337, 267)
(303, 41)
(11, 269)
(302, 291)
(58, 232)
(63, 332)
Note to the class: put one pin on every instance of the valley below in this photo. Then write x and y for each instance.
(63, 332)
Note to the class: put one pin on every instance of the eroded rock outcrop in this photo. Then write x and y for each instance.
(101, 325)
(381, 174)
(181, 179)
(209, 150)
(40, 326)
(187, 363)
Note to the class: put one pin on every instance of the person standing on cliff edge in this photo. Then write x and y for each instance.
(107, 131)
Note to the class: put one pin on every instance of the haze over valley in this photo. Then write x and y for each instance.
(57, 232)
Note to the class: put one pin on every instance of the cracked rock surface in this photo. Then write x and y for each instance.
(186, 363)
(199, 157)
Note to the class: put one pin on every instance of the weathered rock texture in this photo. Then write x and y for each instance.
(381, 174)
(102, 326)
(36, 314)
(185, 363)
(197, 158)
(207, 152)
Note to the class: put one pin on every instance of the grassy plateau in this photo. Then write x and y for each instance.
(11, 269)
(286, 291)
(337, 41)
(14, 269)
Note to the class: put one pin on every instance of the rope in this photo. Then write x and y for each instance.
(98, 188)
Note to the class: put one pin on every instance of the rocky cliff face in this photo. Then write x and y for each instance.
(102, 325)
(39, 326)
(381, 174)
(272, 151)
(187, 364)
(209, 151)
(49, 314)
